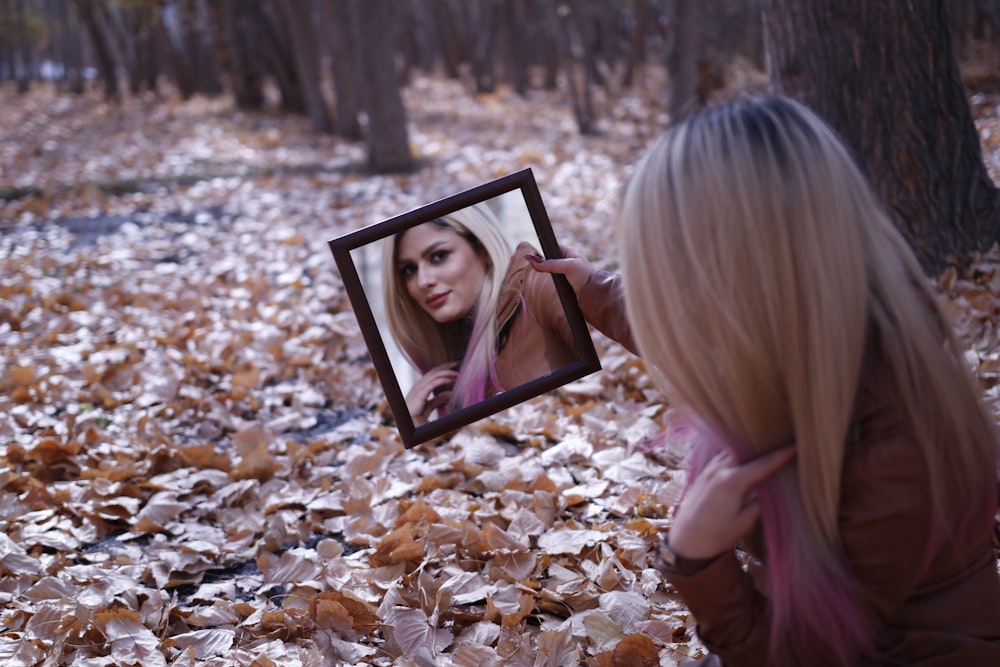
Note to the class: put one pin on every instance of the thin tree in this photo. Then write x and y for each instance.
(87, 10)
(682, 60)
(245, 72)
(273, 37)
(345, 66)
(451, 43)
(386, 135)
(577, 62)
(299, 15)
(484, 51)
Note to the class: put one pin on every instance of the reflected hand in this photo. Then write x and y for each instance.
(424, 396)
(576, 269)
(720, 507)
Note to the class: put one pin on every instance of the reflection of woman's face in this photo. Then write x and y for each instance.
(441, 270)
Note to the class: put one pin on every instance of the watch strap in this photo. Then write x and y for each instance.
(670, 561)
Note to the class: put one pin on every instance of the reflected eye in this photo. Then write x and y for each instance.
(439, 256)
(407, 271)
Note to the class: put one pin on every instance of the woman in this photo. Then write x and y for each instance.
(842, 440)
(474, 319)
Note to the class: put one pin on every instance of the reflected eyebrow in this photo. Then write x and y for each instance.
(431, 247)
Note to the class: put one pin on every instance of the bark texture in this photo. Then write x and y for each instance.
(883, 74)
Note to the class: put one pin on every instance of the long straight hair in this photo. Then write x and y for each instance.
(760, 269)
(471, 341)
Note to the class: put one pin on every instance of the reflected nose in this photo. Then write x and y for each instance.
(425, 276)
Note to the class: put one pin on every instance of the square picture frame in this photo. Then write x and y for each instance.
(350, 252)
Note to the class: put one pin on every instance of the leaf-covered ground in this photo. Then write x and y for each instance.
(198, 466)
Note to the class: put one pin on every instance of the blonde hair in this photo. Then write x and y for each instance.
(760, 272)
(472, 340)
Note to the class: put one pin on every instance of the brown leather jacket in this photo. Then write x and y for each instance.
(944, 614)
(535, 336)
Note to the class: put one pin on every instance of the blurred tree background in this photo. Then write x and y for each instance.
(343, 63)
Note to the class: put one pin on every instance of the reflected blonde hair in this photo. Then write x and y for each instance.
(427, 343)
(759, 271)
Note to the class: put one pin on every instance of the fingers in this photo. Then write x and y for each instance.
(565, 252)
(435, 380)
(751, 473)
(576, 269)
(437, 401)
(742, 478)
(721, 506)
(425, 395)
(756, 471)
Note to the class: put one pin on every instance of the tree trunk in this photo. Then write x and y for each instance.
(345, 66)
(147, 60)
(300, 19)
(102, 51)
(516, 63)
(550, 41)
(244, 75)
(577, 71)
(386, 137)
(22, 45)
(591, 28)
(196, 52)
(883, 74)
(987, 14)
(484, 53)
(451, 42)
(175, 63)
(637, 43)
(66, 48)
(731, 29)
(682, 60)
(126, 24)
(273, 38)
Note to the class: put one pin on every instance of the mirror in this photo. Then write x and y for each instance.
(406, 257)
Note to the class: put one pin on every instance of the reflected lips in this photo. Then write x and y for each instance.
(436, 300)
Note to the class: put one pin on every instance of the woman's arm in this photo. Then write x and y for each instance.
(600, 294)
(718, 510)
(885, 526)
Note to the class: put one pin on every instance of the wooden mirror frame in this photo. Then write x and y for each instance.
(341, 248)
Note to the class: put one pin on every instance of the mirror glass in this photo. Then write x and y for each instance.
(423, 285)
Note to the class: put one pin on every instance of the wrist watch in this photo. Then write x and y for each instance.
(680, 564)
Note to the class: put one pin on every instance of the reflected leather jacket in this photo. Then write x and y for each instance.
(535, 338)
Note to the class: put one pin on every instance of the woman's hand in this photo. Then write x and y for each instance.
(425, 396)
(576, 269)
(720, 507)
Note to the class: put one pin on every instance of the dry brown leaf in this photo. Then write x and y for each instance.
(205, 644)
(203, 456)
(401, 546)
(255, 460)
(418, 512)
(293, 566)
(342, 609)
(416, 635)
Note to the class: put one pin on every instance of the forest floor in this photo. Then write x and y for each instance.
(197, 464)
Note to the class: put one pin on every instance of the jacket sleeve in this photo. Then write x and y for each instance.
(733, 622)
(602, 301)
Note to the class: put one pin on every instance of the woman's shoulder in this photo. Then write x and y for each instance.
(523, 283)
(519, 271)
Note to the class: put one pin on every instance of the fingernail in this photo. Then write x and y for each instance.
(535, 258)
